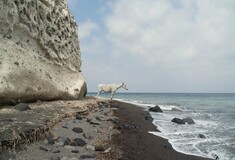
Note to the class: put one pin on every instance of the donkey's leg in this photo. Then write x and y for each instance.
(97, 96)
(112, 93)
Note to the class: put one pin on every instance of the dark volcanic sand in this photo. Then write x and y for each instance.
(135, 141)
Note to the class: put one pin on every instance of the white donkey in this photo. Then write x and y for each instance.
(110, 88)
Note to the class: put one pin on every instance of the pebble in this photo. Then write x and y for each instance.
(98, 119)
(147, 117)
(65, 125)
(77, 130)
(55, 150)
(50, 140)
(107, 150)
(80, 142)
(69, 147)
(99, 148)
(87, 156)
(201, 136)
(62, 141)
(43, 148)
(87, 136)
(73, 144)
(90, 147)
(94, 122)
(88, 119)
(75, 151)
(78, 117)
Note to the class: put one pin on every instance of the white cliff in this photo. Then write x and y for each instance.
(39, 52)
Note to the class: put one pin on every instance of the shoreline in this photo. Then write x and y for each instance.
(111, 130)
(135, 141)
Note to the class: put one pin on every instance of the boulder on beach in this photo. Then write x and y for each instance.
(188, 120)
(178, 121)
(40, 58)
(201, 136)
(21, 107)
(155, 109)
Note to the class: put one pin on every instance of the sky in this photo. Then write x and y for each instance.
(158, 45)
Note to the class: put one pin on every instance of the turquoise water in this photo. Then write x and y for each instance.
(213, 113)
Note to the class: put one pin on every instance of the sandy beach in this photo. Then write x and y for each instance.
(89, 129)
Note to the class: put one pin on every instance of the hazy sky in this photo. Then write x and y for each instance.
(158, 45)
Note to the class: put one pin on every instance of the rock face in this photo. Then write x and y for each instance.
(39, 52)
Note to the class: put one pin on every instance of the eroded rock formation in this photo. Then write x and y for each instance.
(39, 51)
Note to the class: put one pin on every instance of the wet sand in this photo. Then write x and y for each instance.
(134, 140)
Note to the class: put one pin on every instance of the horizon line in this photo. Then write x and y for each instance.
(173, 92)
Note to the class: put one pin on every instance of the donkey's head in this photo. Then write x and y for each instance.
(124, 86)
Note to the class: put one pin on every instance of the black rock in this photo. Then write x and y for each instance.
(50, 140)
(16, 63)
(114, 106)
(98, 119)
(21, 107)
(99, 148)
(80, 142)
(75, 151)
(73, 144)
(188, 120)
(55, 150)
(77, 130)
(87, 156)
(201, 136)
(148, 118)
(88, 119)
(178, 121)
(155, 109)
(93, 122)
(43, 148)
(64, 141)
(65, 125)
(137, 126)
(78, 117)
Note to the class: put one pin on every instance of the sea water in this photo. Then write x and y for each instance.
(212, 135)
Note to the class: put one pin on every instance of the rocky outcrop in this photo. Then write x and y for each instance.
(178, 121)
(155, 109)
(186, 120)
(39, 52)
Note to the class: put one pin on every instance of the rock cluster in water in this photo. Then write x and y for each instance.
(39, 52)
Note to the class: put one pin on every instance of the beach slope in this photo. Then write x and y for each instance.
(134, 140)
